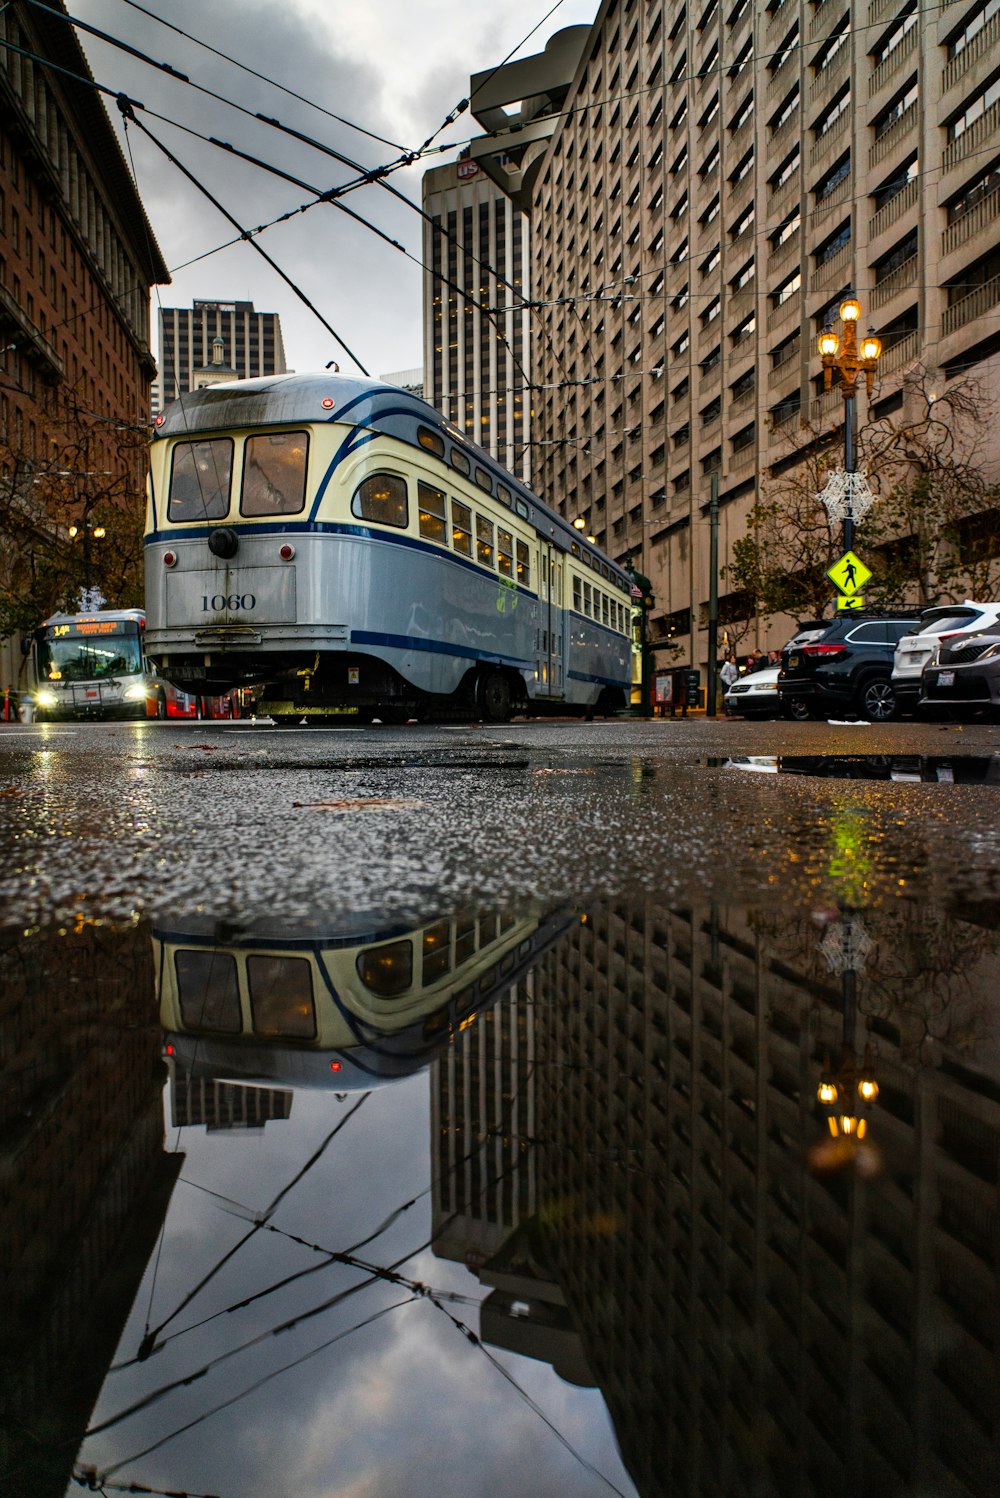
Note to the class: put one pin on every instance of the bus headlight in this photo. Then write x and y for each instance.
(135, 693)
(45, 698)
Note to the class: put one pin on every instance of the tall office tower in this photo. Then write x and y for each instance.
(191, 356)
(720, 175)
(757, 1320)
(476, 333)
(482, 1118)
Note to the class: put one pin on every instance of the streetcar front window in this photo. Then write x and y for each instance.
(200, 478)
(433, 524)
(82, 652)
(208, 992)
(461, 528)
(274, 474)
(281, 997)
(382, 498)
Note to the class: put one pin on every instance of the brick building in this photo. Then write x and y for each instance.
(77, 259)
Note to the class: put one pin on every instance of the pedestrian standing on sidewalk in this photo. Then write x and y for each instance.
(729, 673)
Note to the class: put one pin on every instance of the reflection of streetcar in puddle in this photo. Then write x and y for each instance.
(282, 1006)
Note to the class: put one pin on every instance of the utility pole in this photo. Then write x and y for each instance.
(713, 594)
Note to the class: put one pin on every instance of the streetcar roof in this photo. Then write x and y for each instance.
(281, 400)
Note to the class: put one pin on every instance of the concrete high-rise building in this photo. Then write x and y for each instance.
(719, 177)
(192, 356)
(476, 335)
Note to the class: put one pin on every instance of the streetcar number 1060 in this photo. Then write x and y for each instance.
(231, 602)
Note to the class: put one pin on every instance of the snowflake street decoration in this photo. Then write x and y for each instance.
(846, 946)
(847, 496)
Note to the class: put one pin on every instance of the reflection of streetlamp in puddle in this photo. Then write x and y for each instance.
(848, 1091)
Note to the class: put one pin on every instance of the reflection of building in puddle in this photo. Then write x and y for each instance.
(252, 1014)
(85, 1182)
(750, 1322)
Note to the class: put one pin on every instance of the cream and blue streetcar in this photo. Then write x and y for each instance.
(338, 542)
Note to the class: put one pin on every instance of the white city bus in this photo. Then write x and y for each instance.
(94, 666)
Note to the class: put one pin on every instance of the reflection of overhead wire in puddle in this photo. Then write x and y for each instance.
(260, 1220)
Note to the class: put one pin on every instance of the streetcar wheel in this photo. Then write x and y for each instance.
(494, 697)
(161, 705)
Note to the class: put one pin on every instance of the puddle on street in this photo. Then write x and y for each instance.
(635, 1198)
(956, 769)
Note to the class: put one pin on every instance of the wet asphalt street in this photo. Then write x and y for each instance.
(241, 819)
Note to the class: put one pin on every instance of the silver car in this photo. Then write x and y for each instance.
(963, 675)
(914, 650)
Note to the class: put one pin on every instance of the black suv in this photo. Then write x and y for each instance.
(846, 669)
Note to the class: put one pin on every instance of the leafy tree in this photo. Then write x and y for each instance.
(929, 537)
(69, 470)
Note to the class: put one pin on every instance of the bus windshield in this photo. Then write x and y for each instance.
(89, 650)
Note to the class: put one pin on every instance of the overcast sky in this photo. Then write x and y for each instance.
(395, 67)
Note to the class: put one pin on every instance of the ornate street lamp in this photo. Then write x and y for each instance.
(846, 356)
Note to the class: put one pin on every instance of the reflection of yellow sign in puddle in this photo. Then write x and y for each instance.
(848, 574)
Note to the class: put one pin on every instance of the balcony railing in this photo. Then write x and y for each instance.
(822, 143)
(975, 304)
(964, 228)
(897, 132)
(879, 8)
(783, 255)
(787, 414)
(782, 79)
(887, 67)
(740, 139)
(984, 41)
(828, 405)
(899, 353)
(744, 400)
(893, 210)
(778, 316)
(785, 131)
(783, 198)
(790, 351)
(823, 20)
(744, 459)
(710, 375)
(970, 140)
(897, 280)
(840, 194)
(833, 73)
(831, 271)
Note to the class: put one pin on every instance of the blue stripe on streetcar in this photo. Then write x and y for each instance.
(601, 681)
(436, 647)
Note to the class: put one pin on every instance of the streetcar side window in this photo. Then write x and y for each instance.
(387, 970)
(431, 440)
(578, 595)
(523, 564)
(437, 953)
(461, 528)
(200, 476)
(460, 462)
(274, 474)
(586, 599)
(433, 524)
(483, 480)
(504, 495)
(381, 497)
(484, 541)
(505, 552)
(605, 609)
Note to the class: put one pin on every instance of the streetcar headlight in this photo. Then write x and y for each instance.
(135, 693)
(45, 698)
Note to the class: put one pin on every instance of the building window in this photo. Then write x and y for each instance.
(959, 40)
(830, 48)
(887, 190)
(895, 108)
(833, 178)
(785, 171)
(971, 111)
(834, 111)
(833, 244)
(787, 289)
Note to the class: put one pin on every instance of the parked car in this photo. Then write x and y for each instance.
(847, 668)
(963, 675)
(755, 695)
(915, 649)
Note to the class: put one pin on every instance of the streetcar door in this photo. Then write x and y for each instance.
(551, 637)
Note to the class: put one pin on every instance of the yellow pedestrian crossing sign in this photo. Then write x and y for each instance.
(847, 601)
(848, 574)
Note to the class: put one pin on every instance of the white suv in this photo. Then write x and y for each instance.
(915, 649)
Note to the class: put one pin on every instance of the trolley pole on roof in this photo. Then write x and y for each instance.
(713, 594)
